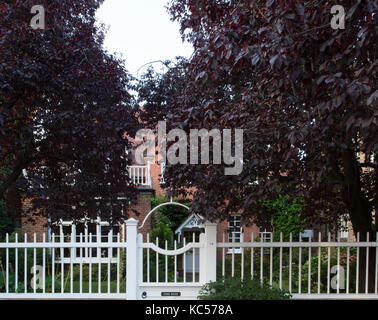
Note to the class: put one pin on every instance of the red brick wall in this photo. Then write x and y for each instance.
(143, 206)
(38, 224)
(155, 176)
(32, 223)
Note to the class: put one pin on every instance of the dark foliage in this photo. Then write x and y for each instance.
(64, 111)
(304, 94)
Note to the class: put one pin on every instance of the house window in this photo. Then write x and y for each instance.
(162, 169)
(86, 230)
(234, 231)
(344, 232)
(265, 236)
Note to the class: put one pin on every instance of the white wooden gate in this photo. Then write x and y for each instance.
(162, 270)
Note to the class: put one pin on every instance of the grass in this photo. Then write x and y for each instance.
(85, 287)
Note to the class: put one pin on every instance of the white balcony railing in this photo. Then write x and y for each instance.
(141, 175)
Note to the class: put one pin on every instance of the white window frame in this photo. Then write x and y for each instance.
(265, 236)
(344, 234)
(162, 169)
(85, 237)
(236, 218)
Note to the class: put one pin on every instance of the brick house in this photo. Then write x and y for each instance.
(148, 178)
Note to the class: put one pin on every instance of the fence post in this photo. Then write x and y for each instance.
(208, 254)
(131, 259)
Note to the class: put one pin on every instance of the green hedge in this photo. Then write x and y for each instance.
(237, 289)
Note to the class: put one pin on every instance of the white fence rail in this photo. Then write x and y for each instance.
(153, 269)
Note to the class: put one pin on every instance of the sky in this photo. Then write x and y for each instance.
(142, 32)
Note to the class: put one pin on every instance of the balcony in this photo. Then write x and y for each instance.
(141, 176)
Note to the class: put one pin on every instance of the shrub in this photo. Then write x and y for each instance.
(175, 214)
(237, 289)
(162, 231)
(286, 216)
(11, 283)
(94, 270)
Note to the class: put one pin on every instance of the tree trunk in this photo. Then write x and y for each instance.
(360, 211)
(22, 160)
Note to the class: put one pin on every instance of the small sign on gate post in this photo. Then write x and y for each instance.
(171, 294)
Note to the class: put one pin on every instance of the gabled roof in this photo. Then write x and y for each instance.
(193, 221)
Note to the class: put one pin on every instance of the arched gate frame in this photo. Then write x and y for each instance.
(139, 284)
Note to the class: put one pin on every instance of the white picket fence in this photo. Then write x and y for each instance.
(149, 269)
(307, 270)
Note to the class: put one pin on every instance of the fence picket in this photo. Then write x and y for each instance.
(81, 264)
(309, 269)
(166, 262)
(175, 261)
(35, 265)
(157, 260)
(25, 265)
(242, 256)
(118, 262)
(300, 267)
(271, 264)
(329, 265)
(252, 254)
(281, 240)
(148, 259)
(338, 268)
(347, 275)
(61, 262)
(376, 265)
(16, 265)
(53, 265)
(90, 264)
(357, 263)
(261, 262)
(184, 257)
(319, 261)
(223, 256)
(43, 265)
(233, 255)
(110, 239)
(7, 264)
(367, 266)
(290, 263)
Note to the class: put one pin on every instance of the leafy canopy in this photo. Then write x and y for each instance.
(304, 94)
(64, 111)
